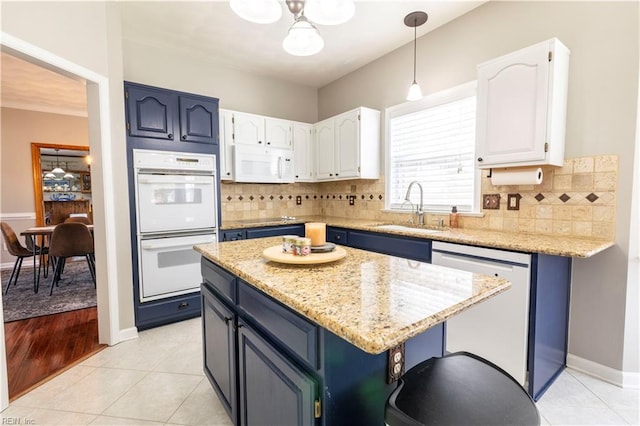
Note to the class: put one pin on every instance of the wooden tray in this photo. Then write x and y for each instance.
(275, 253)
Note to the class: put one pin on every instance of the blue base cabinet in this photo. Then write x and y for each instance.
(393, 245)
(261, 232)
(287, 370)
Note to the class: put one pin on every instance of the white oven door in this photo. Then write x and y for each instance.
(170, 203)
(170, 266)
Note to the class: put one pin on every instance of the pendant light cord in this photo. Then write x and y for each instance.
(415, 29)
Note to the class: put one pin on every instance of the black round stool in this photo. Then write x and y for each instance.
(459, 389)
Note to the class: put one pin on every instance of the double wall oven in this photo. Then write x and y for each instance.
(176, 208)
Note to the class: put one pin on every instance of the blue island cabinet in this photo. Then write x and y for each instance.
(270, 365)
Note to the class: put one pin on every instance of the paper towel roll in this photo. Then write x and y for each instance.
(517, 176)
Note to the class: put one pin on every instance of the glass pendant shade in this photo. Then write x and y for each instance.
(414, 92)
(329, 12)
(303, 39)
(49, 175)
(68, 176)
(57, 171)
(258, 11)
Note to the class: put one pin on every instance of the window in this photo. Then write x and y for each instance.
(432, 141)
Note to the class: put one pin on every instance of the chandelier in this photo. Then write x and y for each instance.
(303, 38)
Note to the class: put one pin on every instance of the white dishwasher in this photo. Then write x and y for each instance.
(496, 329)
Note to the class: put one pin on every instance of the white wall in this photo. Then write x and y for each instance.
(237, 90)
(603, 38)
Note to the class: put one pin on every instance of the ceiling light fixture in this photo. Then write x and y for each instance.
(258, 11)
(58, 170)
(415, 19)
(303, 38)
(329, 12)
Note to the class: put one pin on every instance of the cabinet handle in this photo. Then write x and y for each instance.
(259, 141)
(170, 136)
(227, 319)
(330, 174)
(184, 137)
(338, 237)
(183, 305)
(268, 143)
(479, 158)
(337, 174)
(228, 173)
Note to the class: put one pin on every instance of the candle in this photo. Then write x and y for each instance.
(317, 232)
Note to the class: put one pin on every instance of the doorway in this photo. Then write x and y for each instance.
(97, 88)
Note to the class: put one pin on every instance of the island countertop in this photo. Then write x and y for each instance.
(557, 245)
(374, 301)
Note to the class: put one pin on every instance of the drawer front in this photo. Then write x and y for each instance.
(233, 235)
(219, 279)
(159, 312)
(293, 332)
(409, 248)
(337, 236)
(276, 230)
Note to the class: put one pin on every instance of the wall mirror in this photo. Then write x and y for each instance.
(61, 182)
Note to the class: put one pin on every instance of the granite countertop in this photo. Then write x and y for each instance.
(372, 300)
(529, 243)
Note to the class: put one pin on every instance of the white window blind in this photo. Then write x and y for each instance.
(433, 143)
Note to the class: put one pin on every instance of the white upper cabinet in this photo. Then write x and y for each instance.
(303, 152)
(522, 104)
(248, 129)
(226, 144)
(324, 149)
(251, 129)
(278, 133)
(348, 145)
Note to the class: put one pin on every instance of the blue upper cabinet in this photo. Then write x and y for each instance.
(198, 120)
(157, 113)
(151, 112)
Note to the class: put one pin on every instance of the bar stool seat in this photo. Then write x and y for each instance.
(459, 389)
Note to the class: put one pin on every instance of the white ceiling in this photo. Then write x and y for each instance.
(211, 31)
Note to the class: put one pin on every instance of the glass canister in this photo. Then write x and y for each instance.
(288, 243)
(302, 247)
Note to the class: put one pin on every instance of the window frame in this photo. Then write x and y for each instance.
(435, 99)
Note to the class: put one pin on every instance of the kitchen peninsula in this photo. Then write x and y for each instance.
(312, 339)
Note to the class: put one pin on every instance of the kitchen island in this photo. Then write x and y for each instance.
(291, 344)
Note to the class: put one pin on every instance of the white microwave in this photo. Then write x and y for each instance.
(258, 164)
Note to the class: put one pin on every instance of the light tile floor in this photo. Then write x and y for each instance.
(157, 379)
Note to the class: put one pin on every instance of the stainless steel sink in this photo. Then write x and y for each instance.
(403, 228)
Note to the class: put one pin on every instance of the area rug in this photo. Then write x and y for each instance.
(75, 291)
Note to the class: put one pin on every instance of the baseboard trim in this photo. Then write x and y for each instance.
(128, 334)
(623, 379)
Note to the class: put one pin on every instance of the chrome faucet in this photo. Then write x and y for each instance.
(419, 207)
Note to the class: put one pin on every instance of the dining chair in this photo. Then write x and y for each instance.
(15, 249)
(42, 251)
(71, 239)
(78, 219)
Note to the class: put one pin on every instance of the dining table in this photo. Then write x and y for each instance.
(41, 234)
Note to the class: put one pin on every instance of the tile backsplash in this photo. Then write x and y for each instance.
(577, 199)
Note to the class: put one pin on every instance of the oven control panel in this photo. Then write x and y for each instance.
(144, 159)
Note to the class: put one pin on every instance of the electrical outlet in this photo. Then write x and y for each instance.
(298, 200)
(491, 201)
(513, 201)
(395, 363)
(352, 200)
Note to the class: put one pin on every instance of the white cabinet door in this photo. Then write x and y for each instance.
(522, 107)
(347, 144)
(324, 149)
(303, 152)
(248, 129)
(278, 133)
(226, 144)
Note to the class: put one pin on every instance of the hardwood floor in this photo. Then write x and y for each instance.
(40, 348)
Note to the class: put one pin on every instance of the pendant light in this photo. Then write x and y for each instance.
(58, 170)
(303, 38)
(415, 19)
